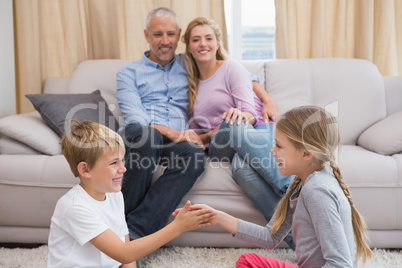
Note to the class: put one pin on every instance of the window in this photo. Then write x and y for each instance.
(251, 29)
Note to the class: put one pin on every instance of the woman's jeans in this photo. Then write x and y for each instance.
(254, 168)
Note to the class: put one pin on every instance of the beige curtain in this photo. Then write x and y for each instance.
(364, 29)
(53, 36)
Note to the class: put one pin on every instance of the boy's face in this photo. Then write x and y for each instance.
(106, 175)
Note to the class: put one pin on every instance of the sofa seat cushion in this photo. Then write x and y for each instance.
(10, 146)
(375, 182)
(30, 129)
(32, 190)
(385, 136)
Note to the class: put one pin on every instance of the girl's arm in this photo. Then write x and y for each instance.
(247, 231)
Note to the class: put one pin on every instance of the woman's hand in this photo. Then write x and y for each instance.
(234, 114)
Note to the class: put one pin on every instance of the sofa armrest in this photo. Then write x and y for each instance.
(31, 130)
(385, 136)
(393, 93)
(56, 85)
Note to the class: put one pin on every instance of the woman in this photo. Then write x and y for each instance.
(220, 93)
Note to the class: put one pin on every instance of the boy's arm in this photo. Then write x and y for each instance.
(110, 244)
(131, 264)
(226, 221)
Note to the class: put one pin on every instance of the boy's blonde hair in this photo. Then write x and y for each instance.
(86, 142)
(316, 130)
(193, 73)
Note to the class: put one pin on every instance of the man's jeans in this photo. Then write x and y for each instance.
(254, 168)
(148, 206)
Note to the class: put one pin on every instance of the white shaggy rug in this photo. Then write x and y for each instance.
(189, 257)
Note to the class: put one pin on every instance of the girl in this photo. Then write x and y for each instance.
(220, 93)
(327, 228)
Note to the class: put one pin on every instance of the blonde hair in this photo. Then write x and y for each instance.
(192, 69)
(86, 142)
(316, 130)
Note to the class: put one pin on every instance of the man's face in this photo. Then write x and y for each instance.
(162, 36)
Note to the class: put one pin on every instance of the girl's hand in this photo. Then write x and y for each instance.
(232, 114)
(188, 218)
(194, 207)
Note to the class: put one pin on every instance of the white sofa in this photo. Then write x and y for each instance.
(34, 174)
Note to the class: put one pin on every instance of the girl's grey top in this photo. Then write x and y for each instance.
(321, 223)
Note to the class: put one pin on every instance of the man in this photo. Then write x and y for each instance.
(152, 95)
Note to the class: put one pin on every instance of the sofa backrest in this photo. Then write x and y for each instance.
(352, 89)
(91, 75)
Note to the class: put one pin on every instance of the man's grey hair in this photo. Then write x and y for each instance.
(161, 12)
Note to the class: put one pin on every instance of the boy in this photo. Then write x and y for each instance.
(88, 227)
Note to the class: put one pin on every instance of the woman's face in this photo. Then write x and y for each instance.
(203, 44)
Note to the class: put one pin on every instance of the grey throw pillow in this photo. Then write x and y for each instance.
(58, 109)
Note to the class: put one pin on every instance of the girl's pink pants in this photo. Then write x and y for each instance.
(252, 260)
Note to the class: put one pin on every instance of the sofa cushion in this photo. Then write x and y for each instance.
(385, 136)
(10, 146)
(58, 109)
(31, 130)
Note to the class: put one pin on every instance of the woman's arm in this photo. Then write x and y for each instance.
(269, 111)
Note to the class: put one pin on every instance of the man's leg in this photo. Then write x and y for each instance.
(143, 149)
(184, 164)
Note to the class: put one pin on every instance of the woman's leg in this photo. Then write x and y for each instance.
(252, 260)
(255, 187)
(254, 146)
(221, 147)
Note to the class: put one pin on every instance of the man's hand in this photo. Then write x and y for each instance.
(180, 136)
(190, 135)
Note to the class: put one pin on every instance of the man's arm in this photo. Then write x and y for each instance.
(269, 111)
(129, 99)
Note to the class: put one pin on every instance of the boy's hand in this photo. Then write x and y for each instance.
(196, 207)
(190, 217)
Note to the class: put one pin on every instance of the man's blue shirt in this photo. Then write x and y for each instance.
(148, 93)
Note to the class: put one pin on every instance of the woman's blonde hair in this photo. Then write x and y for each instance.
(87, 141)
(316, 130)
(192, 69)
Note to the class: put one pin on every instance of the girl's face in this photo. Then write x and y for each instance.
(289, 158)
(203, 44)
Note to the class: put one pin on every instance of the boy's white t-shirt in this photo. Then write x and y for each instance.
(76, 220)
